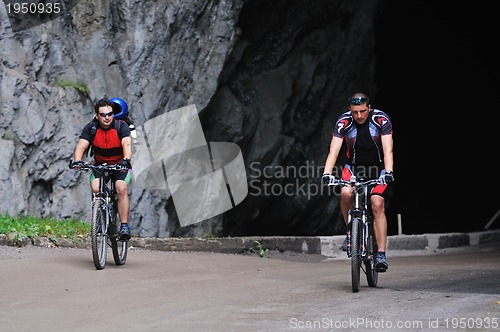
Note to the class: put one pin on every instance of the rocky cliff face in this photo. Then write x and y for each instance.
(270, 76)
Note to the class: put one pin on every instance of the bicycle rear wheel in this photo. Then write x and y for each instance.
(120, 249)
(355, 254)
(99, 238)
(371, 273)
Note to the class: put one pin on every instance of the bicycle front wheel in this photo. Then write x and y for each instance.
(371, 273)
(99, 238)
(355, 254)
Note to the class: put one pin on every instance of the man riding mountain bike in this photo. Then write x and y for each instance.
(368, 136)
(110, 141)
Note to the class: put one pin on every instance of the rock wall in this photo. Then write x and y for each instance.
(270, 76)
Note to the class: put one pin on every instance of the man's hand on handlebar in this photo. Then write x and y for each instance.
(328, 178)
(125, 164)
(77, 165)
(386, 177)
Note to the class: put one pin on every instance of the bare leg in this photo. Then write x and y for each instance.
(379, 221)
(94, 185)
(123, 200)
(346, 202)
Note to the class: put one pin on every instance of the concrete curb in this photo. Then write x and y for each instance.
(424, 242)
(309, 245)
(328, 246)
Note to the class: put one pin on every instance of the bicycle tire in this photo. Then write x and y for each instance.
(99, 238)
(118, 248)
(355, 254)
(371, 273)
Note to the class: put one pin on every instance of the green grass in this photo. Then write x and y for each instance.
(29, 226)
(257, 248)
(79, 85)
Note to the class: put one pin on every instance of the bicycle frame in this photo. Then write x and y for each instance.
(105, 194)
(104, 218)
(361, 209)
(363, 246)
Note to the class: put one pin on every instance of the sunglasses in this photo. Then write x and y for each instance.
(105, 115)
(358, 101)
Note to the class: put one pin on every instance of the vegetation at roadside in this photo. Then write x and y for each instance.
(79, 85)
(257, 248)
(29, 226)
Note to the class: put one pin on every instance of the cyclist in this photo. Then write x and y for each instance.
(111, 144)
(369, 151)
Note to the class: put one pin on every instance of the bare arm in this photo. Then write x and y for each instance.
(387, 146)
(127, 147)
(81, 146)
(335, 146)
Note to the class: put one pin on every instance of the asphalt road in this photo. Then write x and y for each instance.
(54, 289)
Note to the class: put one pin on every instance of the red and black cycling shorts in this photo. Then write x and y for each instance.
(368, 172)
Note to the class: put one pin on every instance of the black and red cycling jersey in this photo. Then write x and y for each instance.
(107, 143)
(364, 146)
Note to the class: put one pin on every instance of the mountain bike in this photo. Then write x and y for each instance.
(362, 248)
(105, 220)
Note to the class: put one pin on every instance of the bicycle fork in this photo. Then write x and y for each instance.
(364, 236)
(362, 233)
(105, 209)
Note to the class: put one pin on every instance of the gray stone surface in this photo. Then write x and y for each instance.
(270, 76)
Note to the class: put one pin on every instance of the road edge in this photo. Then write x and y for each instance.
(328, 246)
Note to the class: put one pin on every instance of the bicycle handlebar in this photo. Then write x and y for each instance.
(353, 182)
(102, 167)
